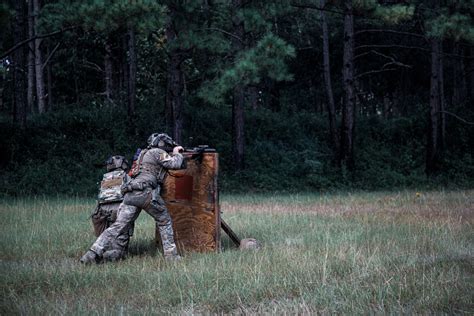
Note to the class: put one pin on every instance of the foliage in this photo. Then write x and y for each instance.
(103, 16)
(266, 59)
(452, 20)
(457, 26)
(391, 14)
(5, 16)
(57, 153)
(287, 143)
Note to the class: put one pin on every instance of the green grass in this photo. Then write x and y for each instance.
(359, 253)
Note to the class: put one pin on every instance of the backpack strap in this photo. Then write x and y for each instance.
(136, 169)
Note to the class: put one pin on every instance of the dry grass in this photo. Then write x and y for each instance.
(402, 252)
(433, 206)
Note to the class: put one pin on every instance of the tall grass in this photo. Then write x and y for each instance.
(342, 253)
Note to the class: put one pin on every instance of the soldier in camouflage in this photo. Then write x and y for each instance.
(142, 192)
(110, 197)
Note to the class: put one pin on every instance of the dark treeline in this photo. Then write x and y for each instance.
(295, 95)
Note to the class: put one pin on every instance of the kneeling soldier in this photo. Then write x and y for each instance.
(110, 197)
(142, 192)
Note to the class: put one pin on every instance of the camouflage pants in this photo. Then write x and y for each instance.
(154, 205)
(104, 216)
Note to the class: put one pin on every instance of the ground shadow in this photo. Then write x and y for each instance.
(227, 244)
(142, 247)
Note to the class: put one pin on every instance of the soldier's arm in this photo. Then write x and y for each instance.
(173, 161)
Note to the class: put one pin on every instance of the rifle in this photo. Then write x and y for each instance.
(196, 153)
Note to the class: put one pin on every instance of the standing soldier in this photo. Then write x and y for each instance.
(142, 192)
(110, 197)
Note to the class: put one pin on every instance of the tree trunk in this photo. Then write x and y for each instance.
(76, 83)
(38, 61)
(238, 127)
(470, 74)
(30, 95)
(238, 137)
(272, 95)
(327, 81)
(175, 82)
(19, 113)
(313, 96)
(459, 75)
(442, 101)
(252, 93)
(132, 78)
(108, 72)
(432, 152)
(386, 107)
(175, 98)
(123, 66)
(49, 78)
(347, 127)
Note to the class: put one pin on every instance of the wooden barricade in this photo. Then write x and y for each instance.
(192, 198)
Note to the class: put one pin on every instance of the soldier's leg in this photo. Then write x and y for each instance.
(108, 239)
(157, 209)
(122, 241)
(99, 220)
(119, 247)
(112, 210)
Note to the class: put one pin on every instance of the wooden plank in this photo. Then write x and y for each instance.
(230, 233)
(192, 198)
(216, 203)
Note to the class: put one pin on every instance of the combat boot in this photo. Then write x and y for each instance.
(89, 257)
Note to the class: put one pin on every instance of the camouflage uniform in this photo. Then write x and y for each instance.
(109, 199)
(142, 192)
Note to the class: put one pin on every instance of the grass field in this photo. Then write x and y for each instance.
(399, 252)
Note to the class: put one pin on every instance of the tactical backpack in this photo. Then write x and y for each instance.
(110, 186)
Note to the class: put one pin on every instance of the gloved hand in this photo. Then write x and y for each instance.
(178, 149)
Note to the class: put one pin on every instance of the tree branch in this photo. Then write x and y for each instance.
(373, 72)
(389, 31)
(305, 48)
(9, 51)
(408, 47)
(392, 46)
(393, 62)
(316, 7)
(222, 31)
(362, 54)
(456, 116)
(50, 55)
(392, 59)
(91, 65)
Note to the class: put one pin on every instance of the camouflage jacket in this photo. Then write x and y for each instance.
(110, 186)
(153, 164)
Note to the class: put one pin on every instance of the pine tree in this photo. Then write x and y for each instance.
(262, 56)
(109, 23)
(442, 21)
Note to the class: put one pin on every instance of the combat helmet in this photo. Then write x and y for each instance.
(116, 162)
(161, 140)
